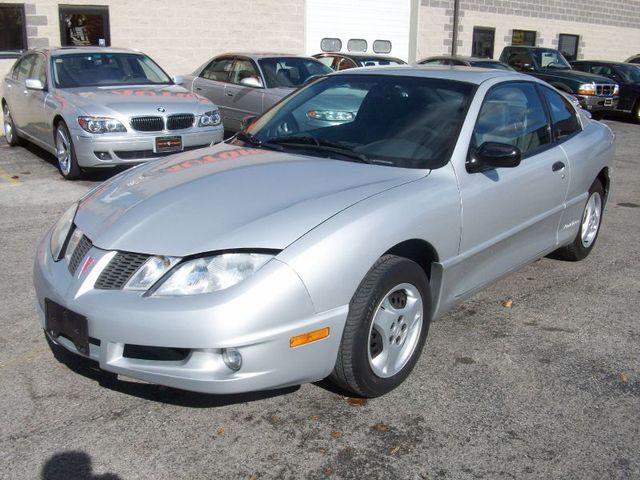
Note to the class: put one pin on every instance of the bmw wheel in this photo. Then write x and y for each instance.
(66, 154)
(10, 133)
(589, 227)
(386, 328)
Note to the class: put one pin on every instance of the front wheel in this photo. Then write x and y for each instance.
(386, 328)
(66, 154)
(589, 227)
(10, 133)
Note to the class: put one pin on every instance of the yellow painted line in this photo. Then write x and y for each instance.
(14, 182)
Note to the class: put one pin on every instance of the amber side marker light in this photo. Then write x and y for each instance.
(309, 337)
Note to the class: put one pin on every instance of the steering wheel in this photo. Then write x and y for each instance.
(287, 126)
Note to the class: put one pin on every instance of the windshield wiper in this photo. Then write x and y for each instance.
(255, 141)
(318, 144)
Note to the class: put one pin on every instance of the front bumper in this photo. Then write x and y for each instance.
(257, 317)
(109, 150)
(596, 103)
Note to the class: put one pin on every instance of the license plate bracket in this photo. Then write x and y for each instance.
(168, 144)
(62, 321)
(608, 102)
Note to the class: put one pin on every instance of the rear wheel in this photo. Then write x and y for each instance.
(386, 328)
(10, 133)
(636, 112)
(65, 153)
(589, 227)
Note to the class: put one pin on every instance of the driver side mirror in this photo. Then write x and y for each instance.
(178, 79)
(253, 82)
(33, 84)
(493, 155)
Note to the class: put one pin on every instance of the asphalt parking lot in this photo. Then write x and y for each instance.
(537, 376)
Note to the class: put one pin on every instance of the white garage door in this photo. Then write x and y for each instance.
(358, 20)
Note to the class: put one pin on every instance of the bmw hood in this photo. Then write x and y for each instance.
(134, 100)
(226, 197)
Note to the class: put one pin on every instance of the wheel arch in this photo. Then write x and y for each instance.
(562, 87)
(605, 180)
(417, 250)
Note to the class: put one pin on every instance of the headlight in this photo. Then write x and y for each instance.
(100, 125)
(60, 231)
(587, 89)
(331, 115)
(209, 119)
(150, 272)
(616, 90)
(211, 274)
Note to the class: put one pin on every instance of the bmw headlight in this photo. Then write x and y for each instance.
(101, 125)
(211, 274)
(209, 119)
(61, 230)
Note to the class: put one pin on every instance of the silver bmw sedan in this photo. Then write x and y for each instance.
(102, 107)
(286, 255)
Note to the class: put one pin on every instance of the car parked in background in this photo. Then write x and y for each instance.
(633, 59)
(594, 92)
(465, 61)
(275, 259)
(343, 61)
(247, 84)
(102, 107)
(624, 74)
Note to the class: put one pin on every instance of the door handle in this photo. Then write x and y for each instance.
(558, 166)
(230, 94)
(199, 89)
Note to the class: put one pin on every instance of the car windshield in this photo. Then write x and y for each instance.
(630, 73)
(410, 122)
(380, 61)
(106, 69)
(551, 59)
(291, 71)
(494, 65)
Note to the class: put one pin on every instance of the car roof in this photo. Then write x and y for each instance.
(260, 55)
(607, 62)
(72, 50)
(459, 73)
(462, 58)
(359, 56)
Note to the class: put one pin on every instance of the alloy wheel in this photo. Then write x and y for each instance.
(591, 219)
(63, 151)
(8, 124)
(395, 331)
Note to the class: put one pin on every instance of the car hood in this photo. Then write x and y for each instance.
(576, 75)
(133, 100)
(226, 197)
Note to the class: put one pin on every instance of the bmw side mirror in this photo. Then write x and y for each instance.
(253, 82)
(491, 155)
(33, 84)
(246, 121)
(178, 79)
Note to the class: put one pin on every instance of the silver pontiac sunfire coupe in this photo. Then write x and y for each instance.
(294, 251)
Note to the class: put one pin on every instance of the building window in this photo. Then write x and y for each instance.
(523, 37)
(382, 46)
(568, 46)
(84, 25)
(331, 45)
(483, 41)
(357, 45)
(13, 33)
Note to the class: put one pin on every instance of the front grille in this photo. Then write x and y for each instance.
(605, 89)
(84, 245)
(147, 124)
(146, 154)
(120, 269)
(180, 121)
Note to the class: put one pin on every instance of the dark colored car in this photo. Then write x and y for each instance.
(633, 59)
(594, 92)
(624, 74)
(342, 61)
(465, 61)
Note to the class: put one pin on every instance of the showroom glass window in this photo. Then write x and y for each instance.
(331, 45)
(357, 45)
(513, 114)
(13, 32)
(483, 41)
(84, 25)
(524, 37)
(382, 46)
(568, 45)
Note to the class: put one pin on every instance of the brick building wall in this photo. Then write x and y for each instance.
(608, 29)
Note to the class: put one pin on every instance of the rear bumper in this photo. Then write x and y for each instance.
(96, 151)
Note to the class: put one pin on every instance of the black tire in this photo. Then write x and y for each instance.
(636, 112)
(576, 250)
(12, 138)
(73, 171)
(353, 371)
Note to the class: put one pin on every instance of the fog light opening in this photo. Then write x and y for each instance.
(103, 155)
(232, 358)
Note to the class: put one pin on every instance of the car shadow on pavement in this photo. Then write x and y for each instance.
(74, 465)
(157, 393)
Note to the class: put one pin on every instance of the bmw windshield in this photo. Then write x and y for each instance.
(392, 120)
(106, 69)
